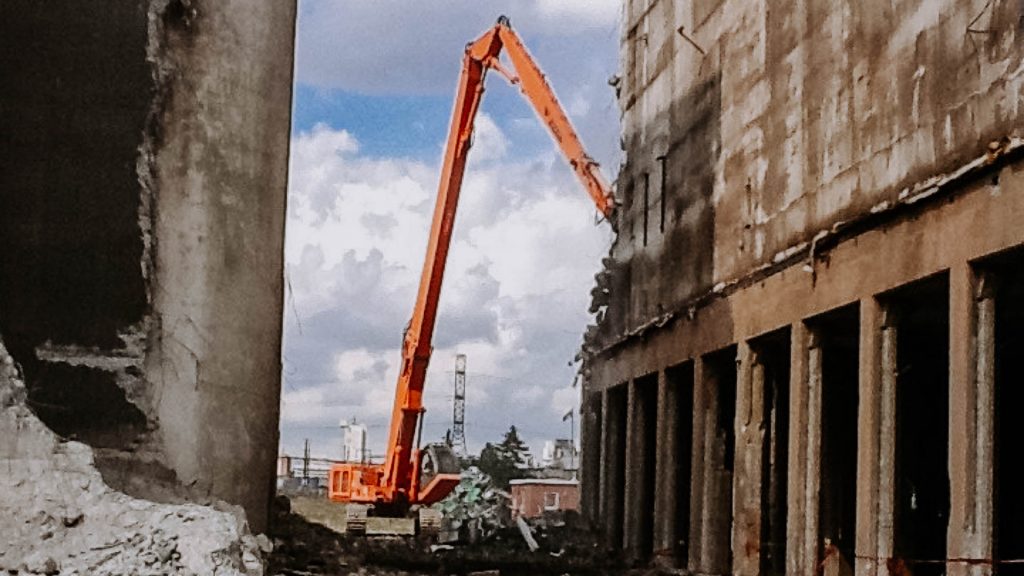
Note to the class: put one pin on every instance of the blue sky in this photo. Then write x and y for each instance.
(375, 82)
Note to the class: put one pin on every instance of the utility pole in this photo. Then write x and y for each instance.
(458, 440)
(305, 462)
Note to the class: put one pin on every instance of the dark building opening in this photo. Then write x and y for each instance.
(720, 379)
(680, 384)
(838, 334)
(75, 90)
(591, 456)
(1009, 426)
(773, 359)
(616, 463)
(646, 438)
(86, 405)
(921, 512)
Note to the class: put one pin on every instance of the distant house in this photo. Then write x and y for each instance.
(532, 497)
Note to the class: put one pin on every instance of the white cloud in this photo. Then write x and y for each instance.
(489, 142)
(565, 399)
(523, 255)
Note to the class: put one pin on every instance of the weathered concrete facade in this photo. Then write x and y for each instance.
(143, 165)
(815, 273)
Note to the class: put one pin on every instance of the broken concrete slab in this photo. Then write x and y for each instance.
(58, 515)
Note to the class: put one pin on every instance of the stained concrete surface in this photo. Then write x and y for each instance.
(758, 126)
(786, 162)
(143, 167)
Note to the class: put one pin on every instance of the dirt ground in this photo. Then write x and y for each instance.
(307, 541)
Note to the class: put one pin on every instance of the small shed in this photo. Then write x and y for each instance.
(532, 497)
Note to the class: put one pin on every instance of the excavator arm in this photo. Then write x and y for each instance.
(400, 481)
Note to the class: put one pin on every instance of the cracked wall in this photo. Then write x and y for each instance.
(141, 236)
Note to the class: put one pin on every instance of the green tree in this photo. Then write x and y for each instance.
(506, 460)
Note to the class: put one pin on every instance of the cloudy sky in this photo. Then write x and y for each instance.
(375, 83)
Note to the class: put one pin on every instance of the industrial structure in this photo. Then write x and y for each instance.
(804, 358)
(458, 438)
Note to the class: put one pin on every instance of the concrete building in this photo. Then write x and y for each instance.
(805, 356)
(143, 164)
(353, 446)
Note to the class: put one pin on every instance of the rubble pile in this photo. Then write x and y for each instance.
(475, 510)
(57, 515)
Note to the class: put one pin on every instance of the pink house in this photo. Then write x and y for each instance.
(531, 497)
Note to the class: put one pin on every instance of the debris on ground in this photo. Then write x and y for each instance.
(524, 529)
(58, 516)
(303, 547)
(475, 510)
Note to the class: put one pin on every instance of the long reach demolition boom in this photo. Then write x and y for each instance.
(410, 475)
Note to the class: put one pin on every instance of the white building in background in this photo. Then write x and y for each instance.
(353, 448)
(559, 454)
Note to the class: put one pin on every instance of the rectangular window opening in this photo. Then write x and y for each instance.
(551, 500)
(720, 416)
(680, 385)
(646, 434)
(773, 358)
(838, 335)
(616, 462)
(921, 512)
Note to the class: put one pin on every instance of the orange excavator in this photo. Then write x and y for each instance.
(411, 476)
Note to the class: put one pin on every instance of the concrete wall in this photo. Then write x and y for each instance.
(144, 162)
(814, 198)
(758, 126)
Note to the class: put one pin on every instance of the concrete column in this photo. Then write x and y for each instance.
(805, 452)
(698, 468)
(868, 448)
(796, 514)
(217, 236)
(666, 493)
(885, 535)
(746, 527)
(813, 478)
(984, 462)
(971, 424)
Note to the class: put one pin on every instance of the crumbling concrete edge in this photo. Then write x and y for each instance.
(59, 515)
